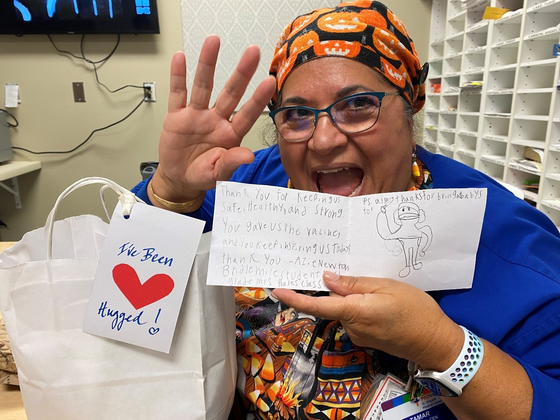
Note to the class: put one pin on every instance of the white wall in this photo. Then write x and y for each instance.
(50, 119)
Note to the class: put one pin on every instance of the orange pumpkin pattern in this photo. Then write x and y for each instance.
(363, 30)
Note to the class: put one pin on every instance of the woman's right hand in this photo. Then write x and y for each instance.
(200, 145)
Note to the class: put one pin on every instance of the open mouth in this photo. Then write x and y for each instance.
(340, 181)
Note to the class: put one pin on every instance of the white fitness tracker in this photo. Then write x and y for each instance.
(451, 382)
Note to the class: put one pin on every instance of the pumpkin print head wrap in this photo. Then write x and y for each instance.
(362, 30)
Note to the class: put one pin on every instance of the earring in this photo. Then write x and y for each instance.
(415, 168)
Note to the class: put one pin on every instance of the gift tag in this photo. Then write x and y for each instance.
(142, 275)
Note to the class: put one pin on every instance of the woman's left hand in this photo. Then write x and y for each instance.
(387, 315)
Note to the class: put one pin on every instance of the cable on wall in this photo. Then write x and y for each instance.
(12, 117)
(63, 152)
(94, 63)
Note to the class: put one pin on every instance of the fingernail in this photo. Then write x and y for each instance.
(329, 275)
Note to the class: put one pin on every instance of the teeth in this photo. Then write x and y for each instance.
(332, 171)
(355, 191)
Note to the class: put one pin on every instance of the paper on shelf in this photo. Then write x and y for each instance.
(534, 154)
(497, 114)
(511, 13)
(494, 13)
(526, 165)
(467, 4)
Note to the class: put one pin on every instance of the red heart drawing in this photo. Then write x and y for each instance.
(139, 295)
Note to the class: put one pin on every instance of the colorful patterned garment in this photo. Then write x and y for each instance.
(363, 30)
(293, 366)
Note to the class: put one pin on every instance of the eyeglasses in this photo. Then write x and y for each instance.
(352, 114)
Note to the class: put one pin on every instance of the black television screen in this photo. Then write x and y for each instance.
(20, 17)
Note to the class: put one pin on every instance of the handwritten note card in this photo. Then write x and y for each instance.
(142, 276)
(275, 237)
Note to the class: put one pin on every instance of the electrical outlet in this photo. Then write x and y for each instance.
(79, 92)
(150, 91)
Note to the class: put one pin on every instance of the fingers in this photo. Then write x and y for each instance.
(350, 285)
(237, 83)
(203, 82)
(328, 307)
(177, 83)
(251, 111)
(231, 94)
(347, 294)
(230, 161)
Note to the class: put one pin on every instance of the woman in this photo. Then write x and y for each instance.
(344, 84)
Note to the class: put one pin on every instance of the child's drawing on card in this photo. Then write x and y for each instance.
(407, 234)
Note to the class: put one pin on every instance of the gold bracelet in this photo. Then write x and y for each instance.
(176, 207)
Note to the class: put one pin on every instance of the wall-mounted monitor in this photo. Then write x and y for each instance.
(20, 17)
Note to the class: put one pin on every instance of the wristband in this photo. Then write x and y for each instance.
(451, 382)
(176, 207)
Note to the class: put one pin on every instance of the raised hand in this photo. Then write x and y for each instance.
(199, 144)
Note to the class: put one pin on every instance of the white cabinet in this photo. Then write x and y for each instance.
(493, 92)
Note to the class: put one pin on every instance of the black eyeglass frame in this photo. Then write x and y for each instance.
(316, 112)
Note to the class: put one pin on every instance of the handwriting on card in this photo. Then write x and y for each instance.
(275, 237)
(119, 317)
(145, 254)
(142, 276)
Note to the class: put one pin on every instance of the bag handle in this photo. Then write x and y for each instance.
(126, 198)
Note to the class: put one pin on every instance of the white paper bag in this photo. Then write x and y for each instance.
(67, 374)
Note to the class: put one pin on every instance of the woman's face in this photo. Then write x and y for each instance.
(374, 161)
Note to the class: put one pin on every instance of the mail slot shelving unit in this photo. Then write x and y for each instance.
(493, 91)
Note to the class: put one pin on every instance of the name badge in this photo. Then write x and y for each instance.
(427, 407)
